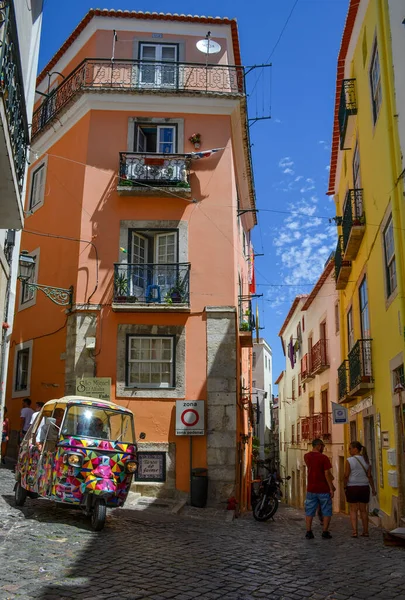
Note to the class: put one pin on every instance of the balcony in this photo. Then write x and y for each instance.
(247, 323)
(140, 77)
(316, 426)
(151, 287)
(306, 368)
(343, 267)
(14, 137)
(360, 368)
(347, 112)
(154, 174)
(319, 357)
(353, 223)
(343, 379)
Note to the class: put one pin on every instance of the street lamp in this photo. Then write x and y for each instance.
(61, 296)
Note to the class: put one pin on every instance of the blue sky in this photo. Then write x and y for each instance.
(291, 152)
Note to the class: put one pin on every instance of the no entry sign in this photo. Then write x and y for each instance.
(190, 417)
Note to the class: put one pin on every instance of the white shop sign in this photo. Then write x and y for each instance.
(362, 405)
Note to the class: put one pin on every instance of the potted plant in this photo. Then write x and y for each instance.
(120, 287)
(244, 326)
(177, 293)
(195, 139)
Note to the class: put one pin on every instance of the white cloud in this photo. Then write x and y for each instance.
(327, 168)
(278, 121)
(285, 162)
(288, 171)
(298, 178)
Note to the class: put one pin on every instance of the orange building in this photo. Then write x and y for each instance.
(154, 239)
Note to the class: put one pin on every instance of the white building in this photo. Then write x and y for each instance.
(262, 376)
(20, 30)
(311, 344)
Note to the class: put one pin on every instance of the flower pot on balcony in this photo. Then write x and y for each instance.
(197, 145)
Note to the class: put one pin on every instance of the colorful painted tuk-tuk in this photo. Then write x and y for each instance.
(79, 451)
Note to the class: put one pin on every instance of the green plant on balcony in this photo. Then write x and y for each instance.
(121, 287)
(244, 326)
(177, 294)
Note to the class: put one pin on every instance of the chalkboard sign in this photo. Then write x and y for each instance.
(151, 466)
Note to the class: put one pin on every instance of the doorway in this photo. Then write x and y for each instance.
(369, 442)
(293, 490)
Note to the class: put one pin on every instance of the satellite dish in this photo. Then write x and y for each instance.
(208, 46)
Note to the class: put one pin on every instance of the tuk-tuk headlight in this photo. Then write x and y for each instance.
(131, 466)
(74, 460)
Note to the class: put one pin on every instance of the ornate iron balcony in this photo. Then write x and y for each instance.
(146, 171)
(152, 284)
(140, 76)
(319, 356)
(353, 223)
(343, 381)
(316, 426)
(360, 366)
(12, 90)
(342, 267)
(306, 368)
(347, 108)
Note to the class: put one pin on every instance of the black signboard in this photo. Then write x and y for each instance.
(151, 466)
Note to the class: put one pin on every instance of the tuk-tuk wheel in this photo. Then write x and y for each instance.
(20, 494)
(98, 515)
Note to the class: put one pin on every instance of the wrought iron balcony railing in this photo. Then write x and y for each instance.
(152, 283)
(247, 321)
(154, 170)
(360, 365)
(343, 380)
(316, 426)
(306, 367)
(12, 90)
(319, 356)
(353, 213)
(342, 266)
(140, 76)
(347, 108)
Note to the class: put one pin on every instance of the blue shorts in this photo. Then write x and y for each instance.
(312, 502)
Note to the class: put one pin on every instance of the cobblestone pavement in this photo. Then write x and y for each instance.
(51, 553)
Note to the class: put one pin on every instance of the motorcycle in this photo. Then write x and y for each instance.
(265, 503)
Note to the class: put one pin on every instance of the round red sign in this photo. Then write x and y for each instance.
(190, 417)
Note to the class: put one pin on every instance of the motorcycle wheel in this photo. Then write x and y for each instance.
(265, 512)
(98, 515)
(20, 494)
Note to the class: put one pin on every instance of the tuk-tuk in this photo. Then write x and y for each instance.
(79, 451)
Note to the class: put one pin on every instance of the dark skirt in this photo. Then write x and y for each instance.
(358, 493)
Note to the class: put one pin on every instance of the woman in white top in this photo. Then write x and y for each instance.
(357, 481)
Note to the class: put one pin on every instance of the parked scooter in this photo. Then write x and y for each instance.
(265, 503)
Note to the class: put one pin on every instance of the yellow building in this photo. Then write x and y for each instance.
(366, 179)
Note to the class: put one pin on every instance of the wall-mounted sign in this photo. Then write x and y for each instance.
(339, 414)
(95, 387)
(151, 466)
(362, 405)
(157, 35)
(190, 417)
(385, 436)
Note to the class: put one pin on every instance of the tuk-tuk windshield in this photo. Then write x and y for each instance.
(100, 423)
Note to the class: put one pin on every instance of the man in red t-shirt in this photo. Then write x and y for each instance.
(319, 488)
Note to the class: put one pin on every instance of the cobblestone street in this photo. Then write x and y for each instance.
(49, 552)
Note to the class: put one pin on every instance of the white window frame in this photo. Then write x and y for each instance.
(171, 362)
(41, 166)
(375, 84)
(158, 70)
(24, 304)
(389, 260)
(19, 393)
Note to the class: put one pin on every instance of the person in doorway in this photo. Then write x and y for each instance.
(25, 418)
(357, 482)
(320, 488)
(5, 436)
(38, 406)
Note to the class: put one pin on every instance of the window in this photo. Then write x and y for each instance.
(37, 186)
(299, 384)
(364, 316)
(337, 320)
(22, 370)
(350, 331)
(254, 383)
(293, 434)
(364, 47)
(150, 361)
(389, 256)
(356, 169)
(293, 389)
(265, 362)
(156, 66)
(298, 432)
(150, 138)
(398, 376)
(303, 324)
(353, 431)
(375, 83)
(254, 360)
